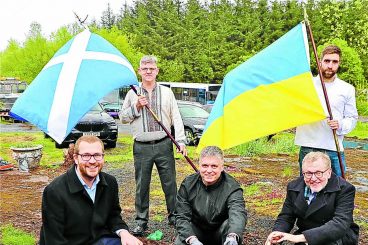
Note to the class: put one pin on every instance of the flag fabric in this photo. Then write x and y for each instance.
(82, 72)
(270, 92)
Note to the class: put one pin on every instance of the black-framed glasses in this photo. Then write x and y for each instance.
(146, 69)
(96, 156)
(318, 174)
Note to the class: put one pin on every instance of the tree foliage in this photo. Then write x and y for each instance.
(200, 41)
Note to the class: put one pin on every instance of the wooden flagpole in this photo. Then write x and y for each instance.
(309, 29)
(166, 131)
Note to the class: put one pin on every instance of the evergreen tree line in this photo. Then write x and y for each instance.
(200, 41)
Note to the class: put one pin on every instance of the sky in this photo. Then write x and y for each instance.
(16, 16)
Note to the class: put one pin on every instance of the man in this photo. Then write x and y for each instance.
(318, 136)
(210, 207)
(82, 205)
(151, 144)
(322, 205)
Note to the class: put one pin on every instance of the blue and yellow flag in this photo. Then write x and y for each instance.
(270, 92)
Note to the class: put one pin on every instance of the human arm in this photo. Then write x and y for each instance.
(115, 221)
(183, 212)
(177, 122)
(53, 215)
(349, 118)
(129, 110)
(237, 213)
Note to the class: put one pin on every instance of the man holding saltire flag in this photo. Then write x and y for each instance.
(82, 72)
(270, 92)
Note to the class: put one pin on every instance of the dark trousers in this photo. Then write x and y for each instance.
(108, 241)
(335, 165)
(145, 155)
(209, 237)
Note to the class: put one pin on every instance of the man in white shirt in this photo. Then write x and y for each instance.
(318, 136)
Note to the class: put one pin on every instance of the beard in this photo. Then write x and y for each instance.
(328, 74)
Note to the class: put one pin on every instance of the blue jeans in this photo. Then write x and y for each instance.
(108, 241)
(335, 165)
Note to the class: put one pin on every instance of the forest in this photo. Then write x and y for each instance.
(201, 41)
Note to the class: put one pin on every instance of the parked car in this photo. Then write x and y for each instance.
(96, 122)
(112, 108)
(208, 107)
(194, 120)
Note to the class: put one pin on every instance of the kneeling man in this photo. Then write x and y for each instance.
(322, 205)
(210, 207)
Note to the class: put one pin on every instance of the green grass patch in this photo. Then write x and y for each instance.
(287, 171)
(360, 131)
(280, 143)
(13, 236)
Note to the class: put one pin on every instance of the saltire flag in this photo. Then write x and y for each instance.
(270, 92)
(82, 72)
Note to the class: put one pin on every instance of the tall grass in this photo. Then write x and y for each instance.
(13, 236)
(280, 143)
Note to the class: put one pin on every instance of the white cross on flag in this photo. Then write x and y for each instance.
(82, 72)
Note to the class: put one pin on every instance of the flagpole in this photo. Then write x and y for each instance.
(165, 129)
(309, 29)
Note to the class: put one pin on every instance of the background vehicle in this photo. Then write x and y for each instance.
(10, 90)
(112, 108)
(96, 122)
(194, 119)
(208, 107)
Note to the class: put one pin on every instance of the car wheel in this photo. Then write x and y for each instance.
(190, 136)
(111, 144)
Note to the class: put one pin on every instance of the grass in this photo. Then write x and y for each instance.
(280, 143)
(14, 236)
(360, 131)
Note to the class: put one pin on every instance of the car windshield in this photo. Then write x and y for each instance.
(97, 108)
(192, 111)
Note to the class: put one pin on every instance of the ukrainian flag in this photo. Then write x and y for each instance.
(270, 92)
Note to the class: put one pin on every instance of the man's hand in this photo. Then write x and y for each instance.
(195, 241)
(278, 237)
(142, 101)
(231, 240)
(183, 150)
(128, 239)
(334, 124)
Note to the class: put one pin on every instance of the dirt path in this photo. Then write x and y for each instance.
(20, 193)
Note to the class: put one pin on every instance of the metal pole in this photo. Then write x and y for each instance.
(325, 96)
(165, 129)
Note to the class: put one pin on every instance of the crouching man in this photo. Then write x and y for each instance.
(322, 205)
(210, 207)
(82, 205)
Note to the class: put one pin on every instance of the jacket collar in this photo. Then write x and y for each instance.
(74, 183)
(333, 185)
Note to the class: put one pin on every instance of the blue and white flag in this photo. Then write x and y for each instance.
(82, 72)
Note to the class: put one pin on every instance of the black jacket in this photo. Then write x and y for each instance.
(209, 206)
(70, 217)
(327, 219)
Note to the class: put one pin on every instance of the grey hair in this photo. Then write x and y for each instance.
(212, 151)
(148, 59)
(315, 155)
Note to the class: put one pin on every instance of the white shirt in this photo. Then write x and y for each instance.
(341, 96)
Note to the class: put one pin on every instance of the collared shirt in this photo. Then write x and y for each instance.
(144, 127)
(90, 190)
(343, 106)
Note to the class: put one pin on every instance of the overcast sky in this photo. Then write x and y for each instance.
(17, 15)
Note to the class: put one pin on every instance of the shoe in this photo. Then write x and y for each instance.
(172, 221)
(139, 230)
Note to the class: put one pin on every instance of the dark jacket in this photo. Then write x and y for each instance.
(208, 207)
(70, 217)
(327, 219)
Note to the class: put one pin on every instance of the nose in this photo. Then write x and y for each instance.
(92, 160)
(314, 178)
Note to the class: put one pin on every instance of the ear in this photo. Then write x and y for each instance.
(75, 157)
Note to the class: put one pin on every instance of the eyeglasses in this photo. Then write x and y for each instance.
(318, 174)
(145, 69)
(96, 156)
